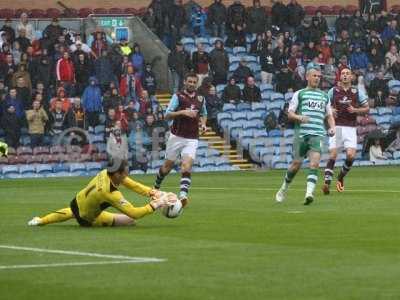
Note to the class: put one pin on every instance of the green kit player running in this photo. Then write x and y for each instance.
(308, 108)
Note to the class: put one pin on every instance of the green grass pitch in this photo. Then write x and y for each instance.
(232, 242)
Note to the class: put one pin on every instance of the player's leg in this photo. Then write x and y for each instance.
(350, 144)
(329, 170)
(60, 215)
(188, 155)
(163, 172)
(312, 177)
(107, 219)
(299, 151)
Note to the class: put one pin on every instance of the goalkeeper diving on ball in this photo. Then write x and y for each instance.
(88, 206)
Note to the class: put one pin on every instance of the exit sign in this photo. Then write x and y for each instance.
(112, 22)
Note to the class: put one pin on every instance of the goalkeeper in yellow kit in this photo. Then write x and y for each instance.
(88, 207)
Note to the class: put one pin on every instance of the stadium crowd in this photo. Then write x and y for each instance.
(62, 80)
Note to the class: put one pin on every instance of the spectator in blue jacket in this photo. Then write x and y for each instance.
(198, 21)
(390, 31)
(359, 59)
(13, 100)
(92, 102)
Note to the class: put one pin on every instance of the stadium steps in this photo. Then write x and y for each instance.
(214, 140)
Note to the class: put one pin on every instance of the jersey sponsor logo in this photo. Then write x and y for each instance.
(345, 100)
(315, 105)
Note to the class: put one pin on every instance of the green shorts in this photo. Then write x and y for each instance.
(302, 145)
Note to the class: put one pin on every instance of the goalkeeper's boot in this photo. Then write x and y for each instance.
(309, 199)
(280, 195)
(340, 185)
(36, 221)
(325, 189)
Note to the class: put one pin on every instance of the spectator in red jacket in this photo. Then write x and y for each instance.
(122, 116)
(130, 86)
(65, 69)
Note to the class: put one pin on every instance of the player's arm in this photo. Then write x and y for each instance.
(138, 187)
(330, 119)
(203, 117)
(293, 105)
(172, 113)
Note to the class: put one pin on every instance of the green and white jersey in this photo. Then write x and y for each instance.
(314, 104)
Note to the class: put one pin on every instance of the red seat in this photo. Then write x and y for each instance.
(17, 160)
(73, 149)
(20, 11)
(336, 9)
(3, 160)
(53, 13)
(100, 157)
(24, 151)
(116, 11)
(310, 10)
(84, 12)
(71, 13)
(100, 11)
(351, 9)
(7, 13)
(90, 149)
(130, 11)
(268, 9)
(11, 152)
(142, 11)
(34, 159)
(57, 149)
(325, 10)
(41, 150)
(38, 13)
(50, 158)
(395, 9)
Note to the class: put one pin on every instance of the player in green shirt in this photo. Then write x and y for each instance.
(308, 109)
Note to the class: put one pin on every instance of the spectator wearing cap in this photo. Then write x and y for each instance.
(232, 93)
(91, 101)
(295, 13)
(217, 18)
(242, 72)
(9, 30)
(359, 59)
(53, 30)
(251, 92)
(284, 80)
(219, 63)
(26, 26)
(37, 118)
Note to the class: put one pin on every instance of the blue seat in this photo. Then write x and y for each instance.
(260, 133)
(255, 115)
(213, 153)
(275, 133)
(258, 106)
(239, 51)
(223, 116)
(277, 96)
(236, 116)
(266, 95)
(220, 88)
(202, 40)
(77, 169)
(233, 66)
(234, 59)
(27, 170)
(243, 107)
(382, 111)
(246, 133)
(253, 124)
(288, 133)
(93, 167)
(373, 112)
(44, 169)
(266, 87)
(246, 142)
(99, 129)
(212, 40)
(251, 58)
(228, 107)
(396, 110)
(288, 96)
(203, 163)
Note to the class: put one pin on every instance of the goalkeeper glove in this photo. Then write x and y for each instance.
(165, 199)
(3, 149)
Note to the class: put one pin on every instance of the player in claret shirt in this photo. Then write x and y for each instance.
(347, 102)
(187, 109)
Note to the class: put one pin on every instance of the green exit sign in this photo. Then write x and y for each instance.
(112, 22)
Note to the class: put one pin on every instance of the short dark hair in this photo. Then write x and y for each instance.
(191, 75)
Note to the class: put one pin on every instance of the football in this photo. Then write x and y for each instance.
(173, 211)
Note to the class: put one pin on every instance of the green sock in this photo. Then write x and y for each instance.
(288, 179)
(312, 181)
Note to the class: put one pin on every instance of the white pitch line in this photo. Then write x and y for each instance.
(78, 253)
(76, 264)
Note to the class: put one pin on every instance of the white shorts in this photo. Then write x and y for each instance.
(180, 147)
(345, 137)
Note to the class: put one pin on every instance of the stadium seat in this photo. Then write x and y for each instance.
(7, 13)
(37, 13)
(131, 11)
(253, 124)
(243, 106)
(228, 107)
(336, 9)
(277, 96)
(260, 133)
(234, 59)
(27, 170)
(384, 111)
(255, 115)
(100, 11)
(77, 169)
(53, 13)
(24, 151)
(325, 10)
(310, 10)
(259, 107)
(41, 150)
(394, 86)
(93, 167)
(11, 171)
(233, 66)
(266, 95)
(224, 116)
(44, 169)
(116, 11)
(239, 51)
(236, 116)
(351, 9)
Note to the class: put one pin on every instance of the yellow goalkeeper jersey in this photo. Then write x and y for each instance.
(101, 193)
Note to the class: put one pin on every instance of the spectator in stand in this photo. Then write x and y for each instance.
(149, 81)
(372, 23)
(133, 118)
(395, 68)
(279, 55)
(310, 52)
(117, 142)
(236, 37)
(242, 72)
(342, 22)
(146, 104)
(76, 115)
(259, 45)
(110, 122)
(9, 30)
(80, 47)
(217, 18)
(322, 24)
(325, 49)
(267, 65)
(61, 97)
(232, 93)
(112, 100)
(285, 81)
(219, 63)
(359, 60)
(376, 58)
(130, 86)
(198, 22)
(91, 101)
(150, 20)
(390, 32)
(122, 117)
(279, 14)
(37, 118)
(214, 106)
(53, 30)
(378, 84)
(179, 63)
(137, 60)
(26, 26)
(103, 71)
(236, 15)
(283, 119)
(256, 18)
(303, 32)
(12, 99)
(150, 133)
(23, 93)
(251, 92)
(391, 56)
(65, 72)
(58, 122)
(178, 20)
(201, 62)
(83, 70)
(11, 124)
(22, 40)
(43, 69)
(7, 70)
(375, 152)
(99, 43)
(295, 14)
(328, 74)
